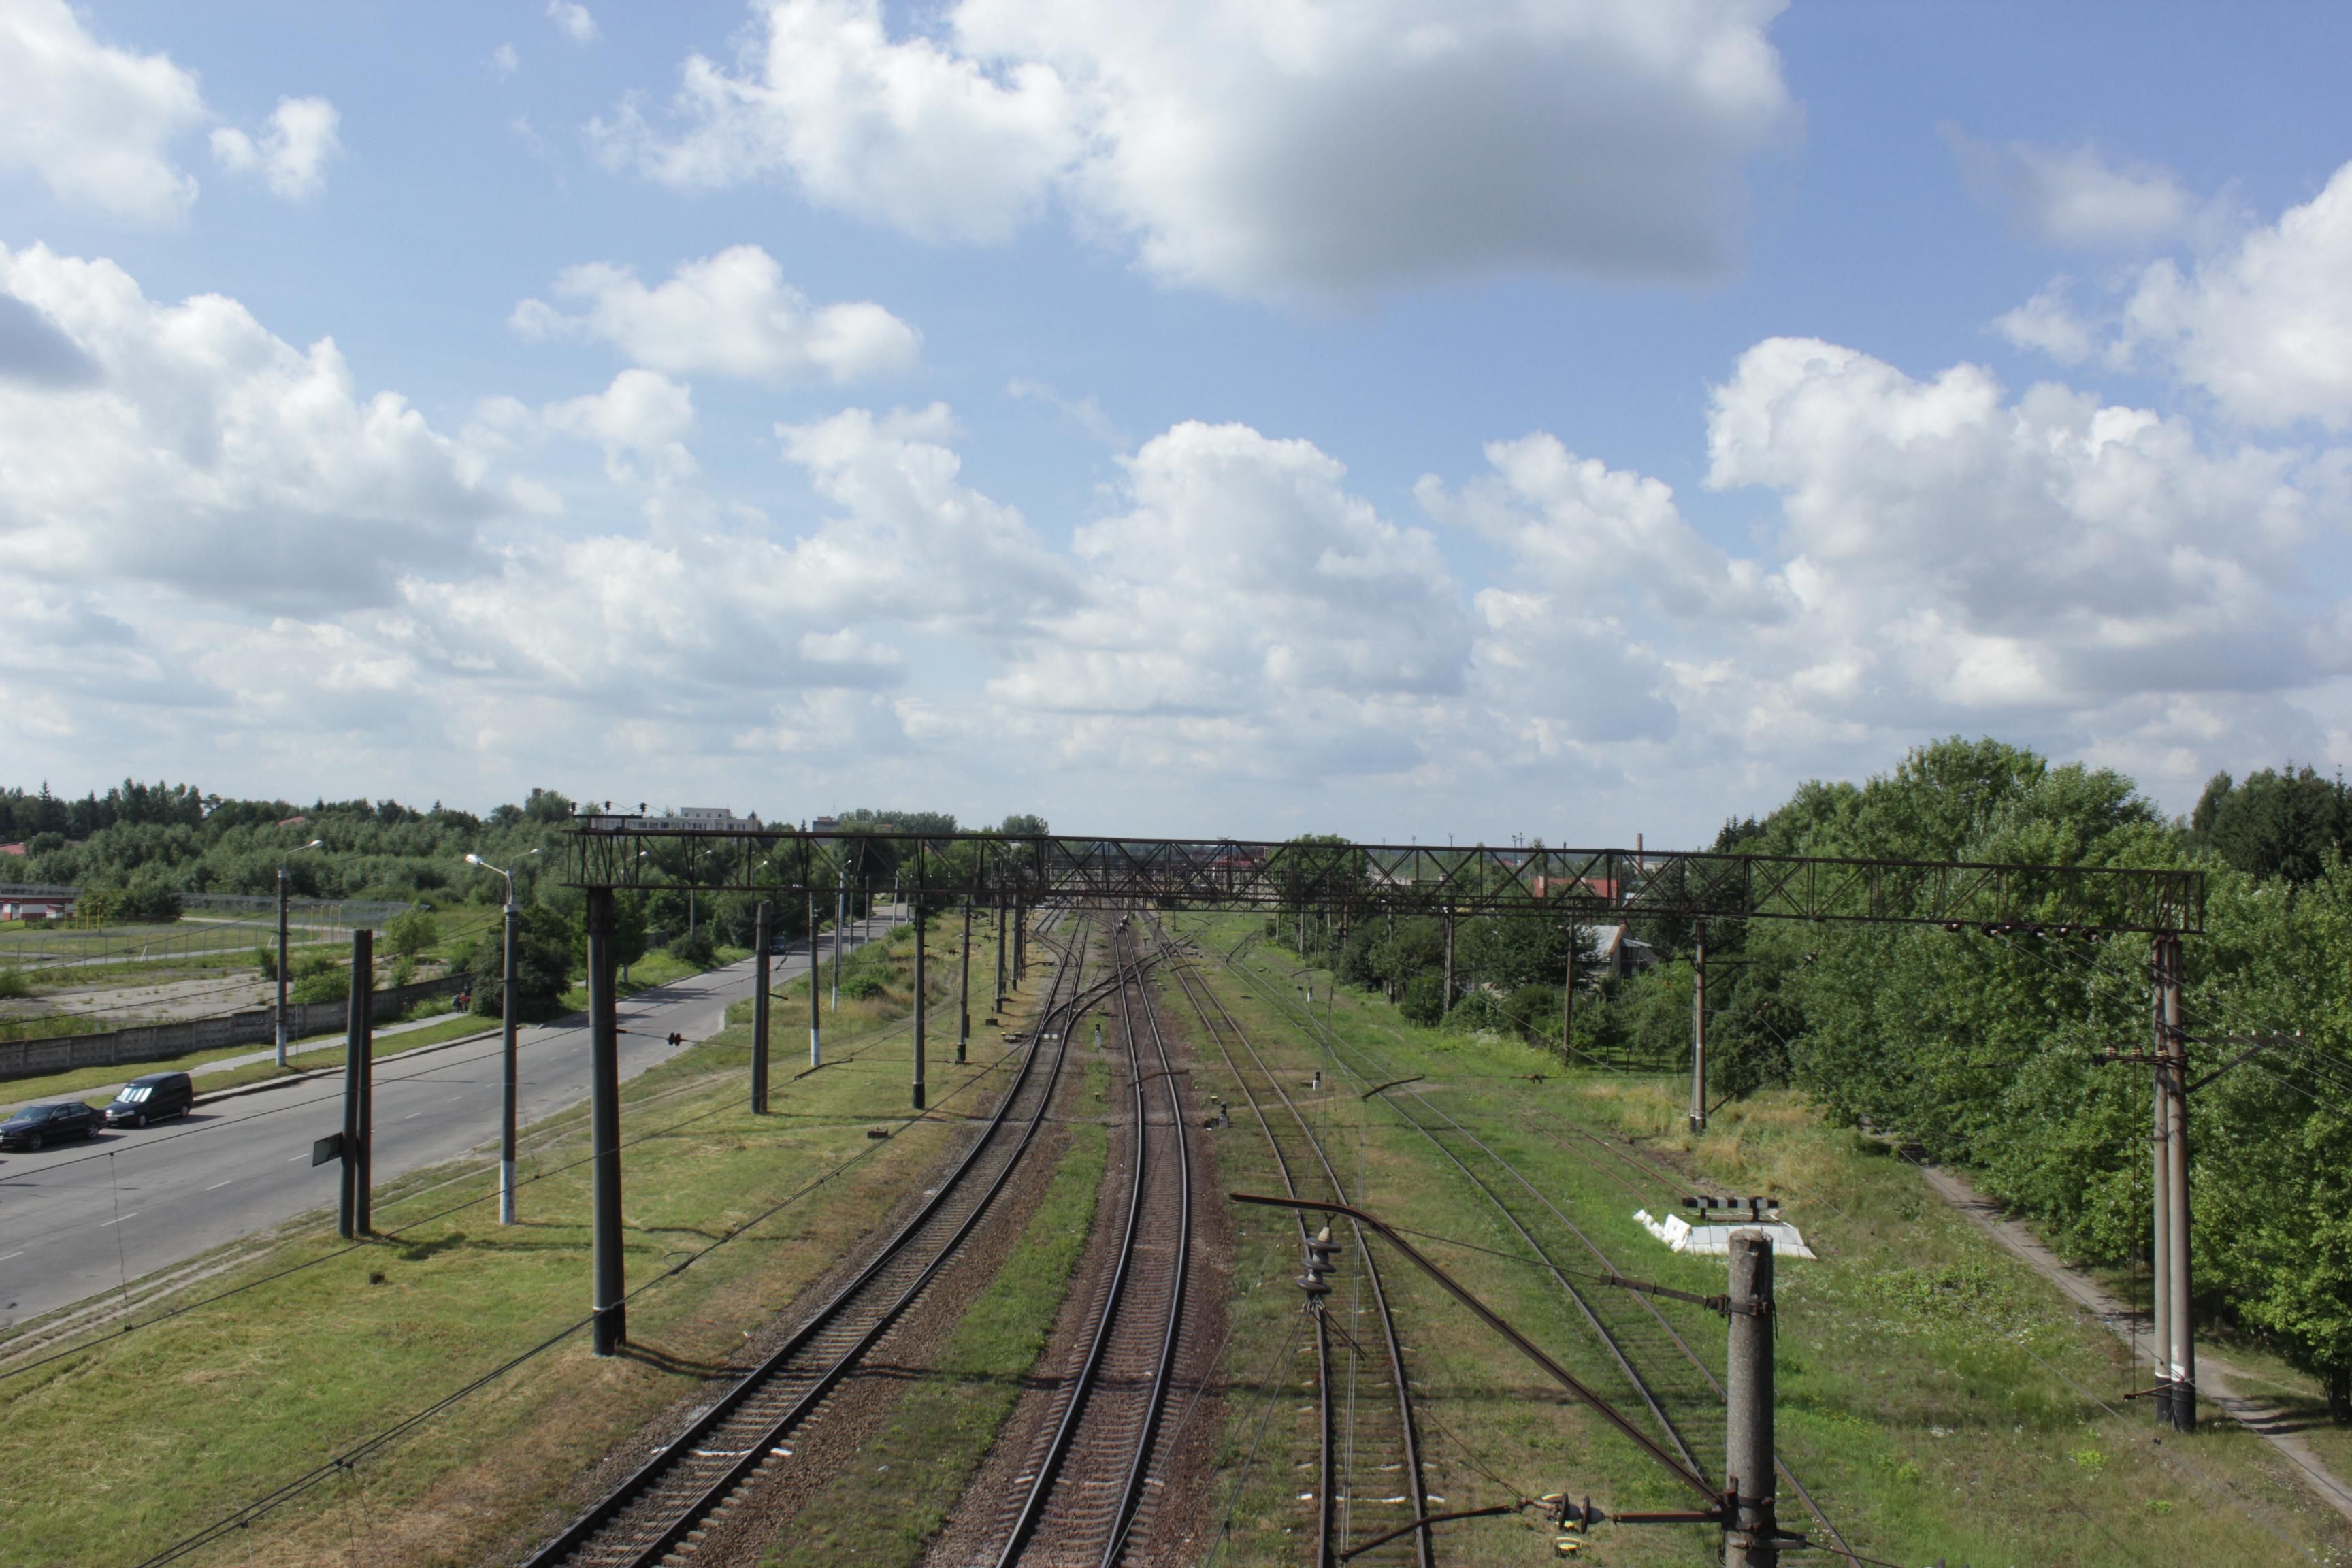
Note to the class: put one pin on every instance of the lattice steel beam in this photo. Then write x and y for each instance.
(1592, 886)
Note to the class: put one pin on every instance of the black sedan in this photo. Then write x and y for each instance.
(38, 1126)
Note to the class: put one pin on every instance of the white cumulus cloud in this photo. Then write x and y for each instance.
(2266, 326)
(732, 314)
(185, 444)
(1316, 148)
(93, 122)
(292, 150)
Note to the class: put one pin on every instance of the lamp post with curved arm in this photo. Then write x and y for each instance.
(506, 1021)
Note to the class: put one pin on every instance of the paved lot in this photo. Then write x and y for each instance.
(76, 1221)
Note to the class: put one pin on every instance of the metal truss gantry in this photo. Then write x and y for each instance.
(1593, 886)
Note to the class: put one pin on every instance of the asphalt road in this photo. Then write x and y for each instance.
(78, 1220)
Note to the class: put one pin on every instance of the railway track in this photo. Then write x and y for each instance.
(1633, 1334)
(1305, 1169)
(1087, 1492)
(661, 1513)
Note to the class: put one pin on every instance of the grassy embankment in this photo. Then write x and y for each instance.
(1938, 1398)
(236, 1398)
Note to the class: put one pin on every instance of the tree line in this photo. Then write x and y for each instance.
(1989, 1049)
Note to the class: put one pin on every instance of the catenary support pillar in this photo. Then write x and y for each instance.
(921, 999)
(359, 1089)
(816, 1044)
(2159, 1261)
(963, 985)
(763, 937)
(604, 1122)
(1000, 952)
(1748, 1406)
(1698, 1029)
(1568, 1002)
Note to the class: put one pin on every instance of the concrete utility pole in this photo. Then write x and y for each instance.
(359, 1090)
(1747, 1469)
(763, 937)
(963, 983)
(1000, 952)
(2172, 1084)
(919, 1009)
(816, 1044)
(1698, 1030)
(840, 918)
(604, 1122)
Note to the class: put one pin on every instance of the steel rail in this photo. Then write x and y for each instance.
(612, 1508)
(1043, 1483)
(1552, 1266)
(1409, 1435)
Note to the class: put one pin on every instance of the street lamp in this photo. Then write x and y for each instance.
(507, 1032)
(284, 879)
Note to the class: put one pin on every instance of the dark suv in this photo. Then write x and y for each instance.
(37, 1126)
(151, 1099)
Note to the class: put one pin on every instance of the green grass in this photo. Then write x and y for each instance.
(235, 1398)
(659, 967)
(1938, 1398)
(948, 1419)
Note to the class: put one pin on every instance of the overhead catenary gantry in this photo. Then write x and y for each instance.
(1587, 885)
(610, 853)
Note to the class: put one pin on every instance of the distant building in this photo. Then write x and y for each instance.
(1622, 956)
(31, 906)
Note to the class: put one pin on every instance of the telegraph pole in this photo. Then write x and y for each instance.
(840, 917)
(1698, 1031)
(764, 935)
(359, 1089)
(1749, 1540)
(1000, 952)
(604, 1122)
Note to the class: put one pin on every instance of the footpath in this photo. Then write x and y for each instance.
(2213, 1372)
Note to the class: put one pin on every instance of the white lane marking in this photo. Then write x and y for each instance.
(117, 1220)
(298, 1157)
(5, 1255)
(218, 1185)
(412, 1116)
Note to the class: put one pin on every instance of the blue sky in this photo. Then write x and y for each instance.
(1577, 417)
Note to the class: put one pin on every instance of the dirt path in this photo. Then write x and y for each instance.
(2213, 1373)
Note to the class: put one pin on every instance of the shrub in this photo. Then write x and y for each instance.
(265, 958)
(1424, 1000)
(412, 933)
(863, 987)
(695, 948)
(13, 985)
(543, 959)
(1533, 1010)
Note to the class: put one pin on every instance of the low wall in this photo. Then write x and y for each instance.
(158, 1042)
